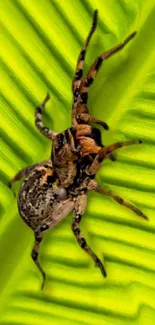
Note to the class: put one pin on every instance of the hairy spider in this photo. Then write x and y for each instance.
(53, 188)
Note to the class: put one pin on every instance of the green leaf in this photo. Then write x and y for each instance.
(40, 43)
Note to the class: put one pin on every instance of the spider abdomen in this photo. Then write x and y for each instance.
(40, 201)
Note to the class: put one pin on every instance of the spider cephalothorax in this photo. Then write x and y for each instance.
(53, 188)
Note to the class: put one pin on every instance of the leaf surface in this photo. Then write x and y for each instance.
(40, 43)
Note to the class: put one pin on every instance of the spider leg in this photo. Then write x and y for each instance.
(105, 152)
(35, 253)
(81, 58)
(111, 157)
(79, 70)
(100, 189)
(39, 123)
(23, 172)
(92, 72)
(90, 140)
(84, 117)
(78, 212)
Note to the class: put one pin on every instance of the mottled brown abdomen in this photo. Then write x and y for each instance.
(41, 202)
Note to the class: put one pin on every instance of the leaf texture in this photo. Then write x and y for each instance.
(40, 42)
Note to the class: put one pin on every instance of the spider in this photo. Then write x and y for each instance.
(52, 189)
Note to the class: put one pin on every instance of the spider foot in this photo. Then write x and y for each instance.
(103, 124)
(10, 186)
(45, 100)
(112, 157)
(102, 268)
(44, 280)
